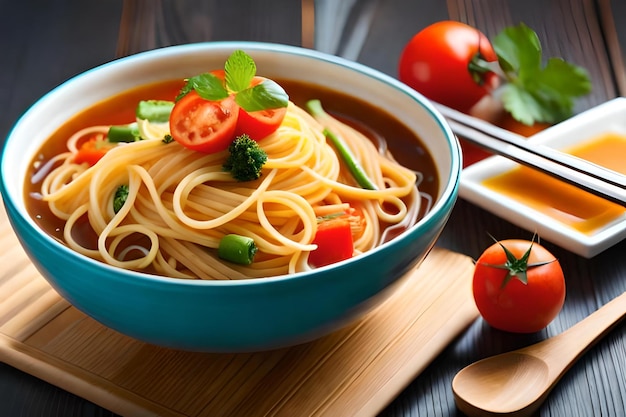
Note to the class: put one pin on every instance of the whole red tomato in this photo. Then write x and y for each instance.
(518, 286)
(436, 62)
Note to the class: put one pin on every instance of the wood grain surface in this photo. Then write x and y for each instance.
(354, 371)
(43, 43)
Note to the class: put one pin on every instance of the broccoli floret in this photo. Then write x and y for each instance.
(245, 160)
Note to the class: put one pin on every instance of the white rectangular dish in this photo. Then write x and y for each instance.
(549, 222)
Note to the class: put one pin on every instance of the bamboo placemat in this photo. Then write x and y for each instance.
(356, 371)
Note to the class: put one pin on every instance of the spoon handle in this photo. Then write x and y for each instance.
(574, 342)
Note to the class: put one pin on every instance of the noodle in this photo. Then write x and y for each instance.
(180, 202)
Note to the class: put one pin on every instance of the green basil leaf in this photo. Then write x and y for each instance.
(207, 85)
(266, 95)
(240, 69)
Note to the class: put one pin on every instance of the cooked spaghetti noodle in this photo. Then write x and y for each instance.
(181, 202)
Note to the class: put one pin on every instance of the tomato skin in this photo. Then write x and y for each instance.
(518, 307)
(435, 63)
(257, 124)
(202, 125)
(260, 124)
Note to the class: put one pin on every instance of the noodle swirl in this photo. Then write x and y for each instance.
(180, 202)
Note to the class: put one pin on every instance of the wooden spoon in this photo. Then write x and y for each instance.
(516, 383)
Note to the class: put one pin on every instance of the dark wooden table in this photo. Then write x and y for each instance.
(45, 42)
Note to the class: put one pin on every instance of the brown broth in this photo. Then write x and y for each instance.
(404, 145)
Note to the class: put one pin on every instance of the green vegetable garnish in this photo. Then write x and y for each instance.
(167, 139)
(245, 160)
(157, 111)
(207, 85)
(355, 168)
(266, 95)
(237, 249)
(121, 194)
(124, 133)
(534, 93)
(239, 71)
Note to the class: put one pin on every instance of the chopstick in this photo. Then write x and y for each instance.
(593, 178)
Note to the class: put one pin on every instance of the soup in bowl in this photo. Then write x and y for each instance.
(165, 237)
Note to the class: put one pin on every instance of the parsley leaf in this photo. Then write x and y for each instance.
(536, 93)
(519, 50)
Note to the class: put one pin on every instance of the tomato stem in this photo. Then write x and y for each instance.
(478, 67)
(517, 267)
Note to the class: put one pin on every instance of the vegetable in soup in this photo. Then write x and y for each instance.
(151, 203)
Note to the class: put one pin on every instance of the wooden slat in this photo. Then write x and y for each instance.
(148, 24)
(355, 371)
(611, 14)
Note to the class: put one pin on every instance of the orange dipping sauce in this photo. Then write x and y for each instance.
(566, 203)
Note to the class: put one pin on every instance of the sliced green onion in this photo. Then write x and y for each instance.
(124, 133)
(355, 168)
(238, 249)
(157, 111)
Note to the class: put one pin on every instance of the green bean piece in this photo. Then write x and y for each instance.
(124, 133)
(238, 249)
(355, 168)
(157, 111)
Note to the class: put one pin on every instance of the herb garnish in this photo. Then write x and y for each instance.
(121, 194)
(239, 71)
(533, 92)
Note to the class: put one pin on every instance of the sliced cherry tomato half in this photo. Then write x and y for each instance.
(202, 125)
(92, 150)
(259, 124)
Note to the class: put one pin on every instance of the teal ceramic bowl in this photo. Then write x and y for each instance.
(242, 315)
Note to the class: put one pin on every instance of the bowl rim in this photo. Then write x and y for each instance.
(447, 196)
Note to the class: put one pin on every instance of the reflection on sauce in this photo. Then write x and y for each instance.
(566, 203)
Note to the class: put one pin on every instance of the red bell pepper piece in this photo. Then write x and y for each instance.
(92, 151)
(334, 242)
